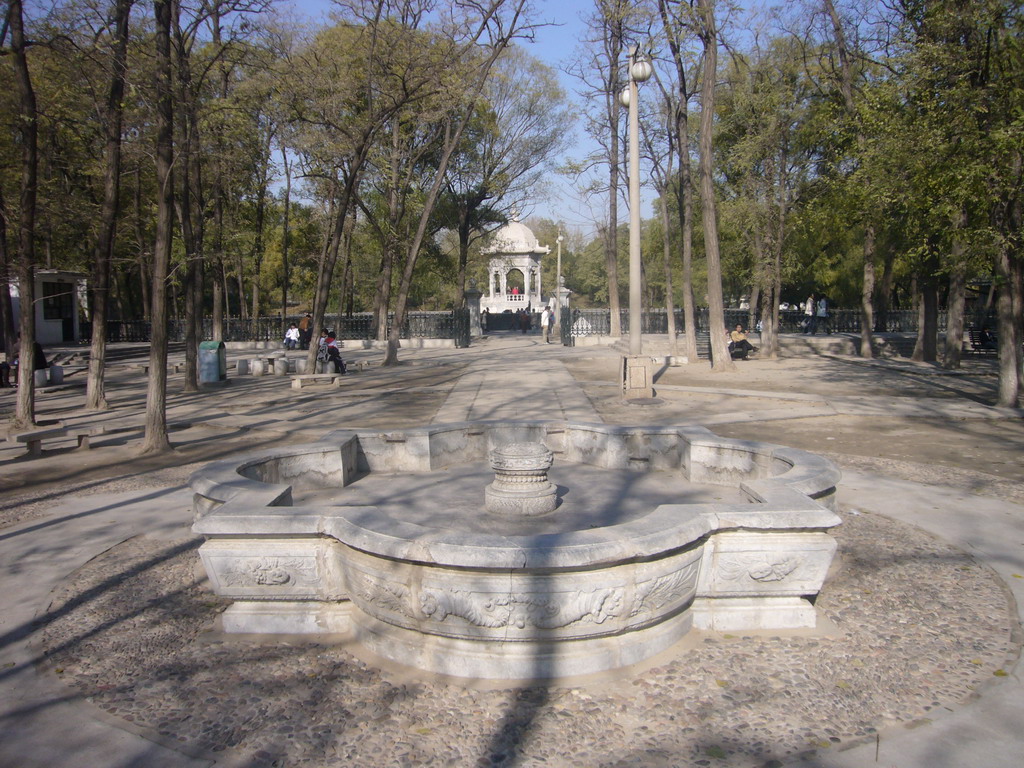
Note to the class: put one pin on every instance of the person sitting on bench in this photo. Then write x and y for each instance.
(329, 351)
(739, 347)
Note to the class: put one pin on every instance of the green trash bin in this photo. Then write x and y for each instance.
(213, 362)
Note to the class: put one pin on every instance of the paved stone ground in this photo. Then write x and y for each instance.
(104, 655)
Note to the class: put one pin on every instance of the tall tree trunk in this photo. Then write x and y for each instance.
(257, 247)
(957, 296)
(332, 248)
(755, 297)
(770, 313)
(95, 396)
(189, 204)
(382, 297)
(220, 285)
(954, 342)
(720, 358)
(217, 287)
(7, 332)
(867, 320)
(285, 276)
(684, 185)
(846, 90)
(670, 307)
(156, 394)
(611, 246)
(684, 196)
(925, 349)
(183, 206)
(141, 243)
(28, 130)
(884, 292)
(464, 229)
(1008, 336)
(243, 306)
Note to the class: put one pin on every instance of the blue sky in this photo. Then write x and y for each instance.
(554, 44)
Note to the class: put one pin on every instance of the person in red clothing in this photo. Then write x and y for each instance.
(330, 351)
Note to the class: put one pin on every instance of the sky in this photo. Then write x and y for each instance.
(554, 44)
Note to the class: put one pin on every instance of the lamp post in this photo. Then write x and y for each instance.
(558, 282)
(640, 70)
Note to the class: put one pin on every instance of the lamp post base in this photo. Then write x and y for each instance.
(637, 377)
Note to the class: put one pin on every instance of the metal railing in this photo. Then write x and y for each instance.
(432, 325)
(597, 322)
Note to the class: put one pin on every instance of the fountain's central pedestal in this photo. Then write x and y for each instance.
(521, 486)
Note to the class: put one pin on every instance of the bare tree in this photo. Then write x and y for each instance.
(720, 358)
(156, 393)
(95, 398)
(28, 128)
(506, 150)
(599, 68)
(678, 25)
(496, 25)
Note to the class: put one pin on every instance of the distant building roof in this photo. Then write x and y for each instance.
(515, 238)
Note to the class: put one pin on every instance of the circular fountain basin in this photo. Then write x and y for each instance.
(388, 536)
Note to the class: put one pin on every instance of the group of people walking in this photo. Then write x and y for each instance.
(816, 315)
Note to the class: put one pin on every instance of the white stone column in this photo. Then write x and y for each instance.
(526, 283)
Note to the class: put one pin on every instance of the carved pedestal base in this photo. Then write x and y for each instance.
(305, 617)
(521, 485)
(735, 614)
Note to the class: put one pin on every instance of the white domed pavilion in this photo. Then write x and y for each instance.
(514, 249)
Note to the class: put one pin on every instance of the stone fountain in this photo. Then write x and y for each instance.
(397, 540)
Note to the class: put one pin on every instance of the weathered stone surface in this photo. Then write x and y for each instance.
(583, 600)
(521, 486)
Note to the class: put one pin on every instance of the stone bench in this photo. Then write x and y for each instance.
(34, 439)
(306, 379)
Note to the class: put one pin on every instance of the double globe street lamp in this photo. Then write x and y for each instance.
(636, 375)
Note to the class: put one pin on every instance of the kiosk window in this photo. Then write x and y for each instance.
(58, 301)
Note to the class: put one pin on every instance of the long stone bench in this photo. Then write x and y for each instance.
(33, 439)
(307, 379)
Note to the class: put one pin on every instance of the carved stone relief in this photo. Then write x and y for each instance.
(269, 572)
(654, 594)
(522, 610)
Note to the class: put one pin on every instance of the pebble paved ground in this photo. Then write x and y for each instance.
(917, 627)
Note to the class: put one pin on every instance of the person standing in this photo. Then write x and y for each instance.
(821, 316)
(810, 321)
(305, 330)
(545, 324)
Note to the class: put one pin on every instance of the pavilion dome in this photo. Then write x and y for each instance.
(515, 237)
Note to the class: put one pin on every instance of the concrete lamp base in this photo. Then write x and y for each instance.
(637, 377)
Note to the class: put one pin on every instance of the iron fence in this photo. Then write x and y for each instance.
(597, 322)
(431, 325)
